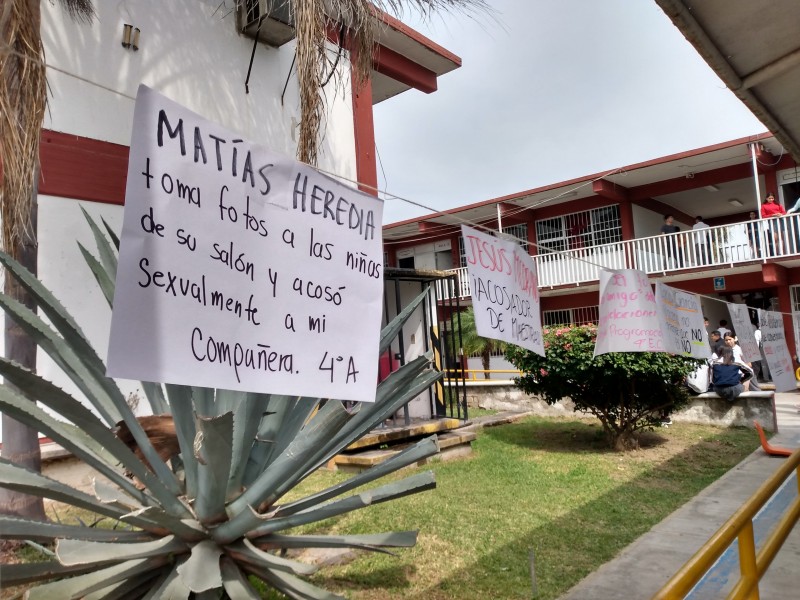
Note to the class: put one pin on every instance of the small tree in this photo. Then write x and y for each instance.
(472, 343)
(627, 391)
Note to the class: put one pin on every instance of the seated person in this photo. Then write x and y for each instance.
(738, 357)
(727, 376)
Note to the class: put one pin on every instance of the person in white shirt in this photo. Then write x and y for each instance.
(738, 357)
(702, 244)
(723, 328)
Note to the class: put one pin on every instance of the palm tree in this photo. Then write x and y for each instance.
(472, 343)
(22, 105)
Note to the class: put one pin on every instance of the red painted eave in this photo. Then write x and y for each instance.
(415, 35)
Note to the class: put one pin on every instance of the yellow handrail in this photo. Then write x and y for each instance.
(752, 564)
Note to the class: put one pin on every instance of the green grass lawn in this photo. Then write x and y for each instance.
(544, 485)
(547, 485)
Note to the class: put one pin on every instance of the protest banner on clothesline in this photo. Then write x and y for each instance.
(505, 290)
(240, 268)
(681, 319)
(745, 332)
(779, 361)
(628, 317)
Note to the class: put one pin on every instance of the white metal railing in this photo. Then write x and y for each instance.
(724, 245)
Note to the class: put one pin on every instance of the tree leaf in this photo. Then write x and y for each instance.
(16, 528)
(246, 421)
(171, 588)
(276, 431)
(25, 573)
(245, 552)
(102, 278)
(201, 571)
(111, 233)
(183, 416)
(77, 587)
(373, 542)
(35, 387)
(155, 396)
(236, 584)
(389, 333)
(419, 451)
(78, 552)
(108, 257)
(214, 469)
(71, 438)
(390, 491)
(290, 585)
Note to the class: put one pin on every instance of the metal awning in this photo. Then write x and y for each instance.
(754, 47)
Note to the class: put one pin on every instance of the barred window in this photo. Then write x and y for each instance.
(579, 230)
(571, 316)
(518, 231)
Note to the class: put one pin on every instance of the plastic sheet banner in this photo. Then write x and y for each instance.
(680, 316)
(779, 361)
(628, 314)
(241, 268)
(745, 332)
(505, 290)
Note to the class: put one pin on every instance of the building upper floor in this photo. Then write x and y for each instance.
(614, 220)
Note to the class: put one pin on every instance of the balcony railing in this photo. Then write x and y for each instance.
(724, 245)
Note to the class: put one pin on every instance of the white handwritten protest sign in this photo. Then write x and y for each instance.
(745, 332)
(796, 327)
(505, 291)
(681, 319)
(773, 338)
(628, 317)
(240, 268)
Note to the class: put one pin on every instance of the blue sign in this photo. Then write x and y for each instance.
(719, 283)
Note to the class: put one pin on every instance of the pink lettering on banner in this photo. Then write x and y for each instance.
(628, 315)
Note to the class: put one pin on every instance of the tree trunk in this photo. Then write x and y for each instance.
(21, 443)
(486, 359)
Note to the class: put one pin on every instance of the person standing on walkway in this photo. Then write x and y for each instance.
(673, 243)
(702, 242)
(754, 235)
(771, 210)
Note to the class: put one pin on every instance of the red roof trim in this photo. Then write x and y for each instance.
(587, 178)
(417, 37)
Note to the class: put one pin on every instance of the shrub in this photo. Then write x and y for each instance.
(627, 391)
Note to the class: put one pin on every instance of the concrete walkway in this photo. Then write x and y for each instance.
(644, 567)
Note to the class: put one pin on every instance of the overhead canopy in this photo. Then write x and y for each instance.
(754, 47)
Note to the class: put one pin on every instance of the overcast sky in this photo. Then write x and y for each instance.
(548, 91)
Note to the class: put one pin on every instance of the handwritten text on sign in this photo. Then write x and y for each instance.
(773, 338)
(745, 332)
(628, 319)
(505, 291)
(681, 318)
(240, 268)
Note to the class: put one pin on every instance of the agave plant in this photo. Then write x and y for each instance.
(204, 522)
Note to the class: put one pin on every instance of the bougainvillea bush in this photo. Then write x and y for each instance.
(627, 391)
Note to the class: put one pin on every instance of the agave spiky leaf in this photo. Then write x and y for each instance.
(208, 517)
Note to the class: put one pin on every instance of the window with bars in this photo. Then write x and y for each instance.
(579, 230)
(571, 316)
(520, 232)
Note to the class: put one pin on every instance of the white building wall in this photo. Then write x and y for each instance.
(190, 52)
(646, 222)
